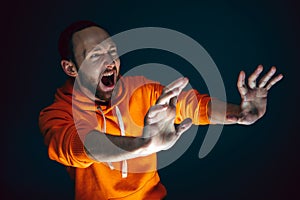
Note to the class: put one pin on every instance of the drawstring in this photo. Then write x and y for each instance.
(104, 131)
(121, 124)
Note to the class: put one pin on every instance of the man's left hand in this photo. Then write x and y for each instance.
(254, 95)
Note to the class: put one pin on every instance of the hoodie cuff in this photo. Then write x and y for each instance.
(203, 114)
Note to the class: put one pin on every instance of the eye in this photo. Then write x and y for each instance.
(95, 55)
(113, 53)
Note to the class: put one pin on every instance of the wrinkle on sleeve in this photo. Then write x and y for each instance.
(191, 104)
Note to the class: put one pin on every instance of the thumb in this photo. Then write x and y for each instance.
(232, 118)
(184, 126)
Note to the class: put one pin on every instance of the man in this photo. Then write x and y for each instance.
(107, 128)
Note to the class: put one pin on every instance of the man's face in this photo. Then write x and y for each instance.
(98, 62)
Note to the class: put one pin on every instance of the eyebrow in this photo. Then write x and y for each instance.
(99, 49)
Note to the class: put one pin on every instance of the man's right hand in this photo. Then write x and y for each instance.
(159, 131)
(159, 126)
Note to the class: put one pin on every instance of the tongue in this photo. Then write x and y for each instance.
(107, 80)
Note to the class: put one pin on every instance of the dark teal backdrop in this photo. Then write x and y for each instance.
(249, 162)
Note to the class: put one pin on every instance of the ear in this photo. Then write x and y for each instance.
(69, 68)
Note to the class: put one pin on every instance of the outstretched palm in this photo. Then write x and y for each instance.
(254, 95)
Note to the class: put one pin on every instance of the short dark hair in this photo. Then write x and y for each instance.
(65, 45)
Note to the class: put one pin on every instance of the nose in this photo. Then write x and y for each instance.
(110, 66)
(110, 62)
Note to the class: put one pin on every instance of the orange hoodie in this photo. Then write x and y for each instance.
(65, 123)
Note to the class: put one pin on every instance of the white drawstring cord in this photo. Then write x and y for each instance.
(121, 124)
(104, 131)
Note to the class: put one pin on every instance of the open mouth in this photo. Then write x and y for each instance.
(108, 78)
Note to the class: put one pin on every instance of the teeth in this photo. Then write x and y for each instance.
(108, 73)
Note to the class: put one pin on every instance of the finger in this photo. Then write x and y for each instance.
(232, 118)
(241, 84)
(180, 129)
(252, 78)
(173, 89)
(178, 83)
(156, 113)
(263, 81)
(158, 118)
(166, 97)
(184, 126)
(274, 81)
(173, 101)
(156, 109)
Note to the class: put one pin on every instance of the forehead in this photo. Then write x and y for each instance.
(88, 38)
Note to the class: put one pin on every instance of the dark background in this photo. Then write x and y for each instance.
(249, 162)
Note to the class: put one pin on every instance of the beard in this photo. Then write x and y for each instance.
(91, 88)
(103, 96)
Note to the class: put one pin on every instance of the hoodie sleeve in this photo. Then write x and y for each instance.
(192, 104)
(61, 137)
